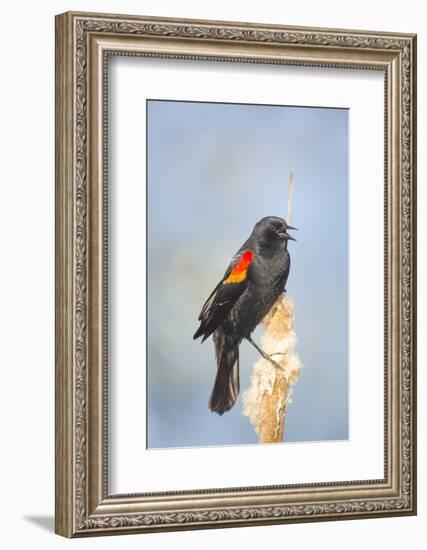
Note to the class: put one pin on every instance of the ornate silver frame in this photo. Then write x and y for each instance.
(83, 42)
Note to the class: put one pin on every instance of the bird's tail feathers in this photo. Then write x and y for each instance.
(227, 384)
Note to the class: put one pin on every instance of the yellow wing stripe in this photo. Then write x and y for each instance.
(235, 278)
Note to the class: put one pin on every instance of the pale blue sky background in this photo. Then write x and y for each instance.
(213, 171)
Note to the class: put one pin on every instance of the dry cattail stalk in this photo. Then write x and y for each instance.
(266, 399)
(272, 381)
(291, 186)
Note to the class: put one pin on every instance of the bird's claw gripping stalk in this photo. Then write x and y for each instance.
(265, 355)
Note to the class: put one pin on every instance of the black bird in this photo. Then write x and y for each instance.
(254, 280)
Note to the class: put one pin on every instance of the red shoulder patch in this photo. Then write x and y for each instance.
(239, 271)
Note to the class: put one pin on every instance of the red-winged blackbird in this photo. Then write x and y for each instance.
(254, 280)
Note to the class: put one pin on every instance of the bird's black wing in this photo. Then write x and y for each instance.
(225, 294)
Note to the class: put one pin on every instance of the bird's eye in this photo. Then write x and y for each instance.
(273, 228)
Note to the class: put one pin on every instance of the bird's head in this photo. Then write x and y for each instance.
(271, 230)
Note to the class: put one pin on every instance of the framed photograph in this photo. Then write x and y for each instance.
(235, 274)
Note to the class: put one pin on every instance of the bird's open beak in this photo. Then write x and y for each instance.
(283, 232)
(284, 235)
